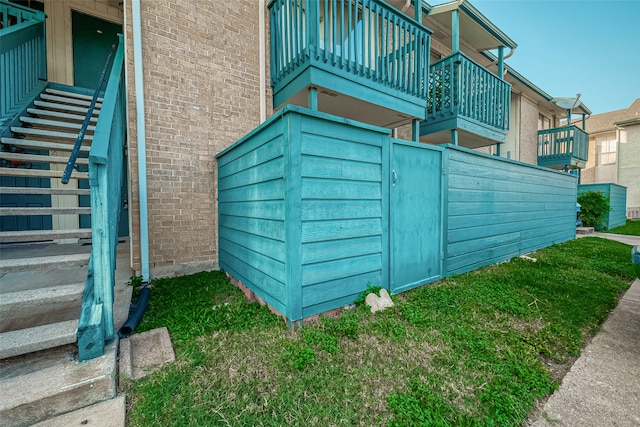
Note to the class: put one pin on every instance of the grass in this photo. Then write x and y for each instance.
(631, 228)
(476, 349)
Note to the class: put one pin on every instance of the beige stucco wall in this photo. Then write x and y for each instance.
(202, 93)
(528, 149)
(629, 164)
(511, 148)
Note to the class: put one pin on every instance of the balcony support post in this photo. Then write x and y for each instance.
(454, 136)
(418, 10)
(313, 98)
(501, 61)
(415, 130)
(583, 122)
(498, 150)
(455, 32)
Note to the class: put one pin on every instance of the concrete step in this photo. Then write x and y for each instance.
(69, 100)
(29, 340)
(43, 263)
(57, 191)
(41, 173)
(67, 94)
(54, 124)
(584, 230)
(34, 158)
(42, 235)
(42, 145)
(37, 307)
(44, 211)
(77, 118)
(39, 386)
(64, 108)
(49, 134)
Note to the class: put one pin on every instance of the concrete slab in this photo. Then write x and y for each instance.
(622, 238)
(145, 353)
(602, 387)
(42, 385)
(110, 413)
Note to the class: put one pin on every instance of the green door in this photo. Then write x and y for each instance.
(415, 215)
(92, 40)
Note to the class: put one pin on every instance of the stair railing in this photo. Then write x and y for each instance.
(106, 161)
(23, 49)
(66, 175)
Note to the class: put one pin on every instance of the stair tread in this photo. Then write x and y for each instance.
(41, 173)
(68, 100)
(41, 263)
(42, 145)
(70, 94)
(44, 211)
(39, 235)
(48, 133)
(64, 107)
(54, 123)
(22, 341)
(59, 115)
(57, 191)
(40, 159)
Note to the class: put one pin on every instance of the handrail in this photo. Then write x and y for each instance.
(106, 166)
(458, 85)
(23, 50)
(85, 124)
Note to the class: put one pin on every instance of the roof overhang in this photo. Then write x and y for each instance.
(475, 29)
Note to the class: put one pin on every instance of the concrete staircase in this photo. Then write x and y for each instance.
(43, 272)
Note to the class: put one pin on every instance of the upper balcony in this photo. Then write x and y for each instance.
(565, 147)
(465, 96)
(359, 59)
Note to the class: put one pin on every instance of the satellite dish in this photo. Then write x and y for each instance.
(567, 103)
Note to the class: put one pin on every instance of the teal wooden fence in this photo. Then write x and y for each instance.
(364, 42)
(617, 216)
(23, 56)
(312, 207)
(562, 146)
(106, 162)
(459, 87)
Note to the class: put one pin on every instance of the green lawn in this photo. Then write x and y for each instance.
(631, 228)
(475, 349)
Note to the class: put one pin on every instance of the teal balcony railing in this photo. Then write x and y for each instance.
(460, 88)
(364, 42)
(106, 163)
(23, 55)
(563, 146)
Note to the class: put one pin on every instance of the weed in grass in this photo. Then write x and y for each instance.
(360, 301)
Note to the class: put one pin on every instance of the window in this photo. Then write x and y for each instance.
(606, 150)
(543, 122)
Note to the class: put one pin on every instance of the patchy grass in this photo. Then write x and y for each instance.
(474, 349)
(631, 228)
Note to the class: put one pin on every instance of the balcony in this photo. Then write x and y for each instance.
(465, 96)
(564, 147)
(367, 60)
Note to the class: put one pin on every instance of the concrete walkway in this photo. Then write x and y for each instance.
(603, 386)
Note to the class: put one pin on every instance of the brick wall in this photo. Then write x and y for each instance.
(201, 85)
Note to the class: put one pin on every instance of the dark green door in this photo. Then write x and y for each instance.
(92, 41)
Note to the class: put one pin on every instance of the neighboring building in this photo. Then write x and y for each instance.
(210, 72)
(614, 152)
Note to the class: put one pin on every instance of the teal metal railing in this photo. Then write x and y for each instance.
(459, 86)
(23, 55)
(365, 38)
(563, 142)
(106, 162)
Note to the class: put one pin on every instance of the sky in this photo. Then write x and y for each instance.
(566, 47)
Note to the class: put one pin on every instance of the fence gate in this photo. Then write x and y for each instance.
(415, 215)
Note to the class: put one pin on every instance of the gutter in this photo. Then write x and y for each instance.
(141, 135)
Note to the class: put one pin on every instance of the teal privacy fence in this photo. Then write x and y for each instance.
(23, 56)
(617, 216)
(106, 163)
(313, 208)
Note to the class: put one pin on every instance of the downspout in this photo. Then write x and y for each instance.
(263, 63)
(134, 318)
(407, 3)
(142, 149)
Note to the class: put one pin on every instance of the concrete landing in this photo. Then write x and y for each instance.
(603, 386)
(584, 230)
